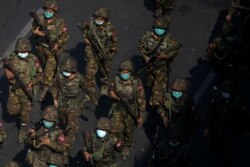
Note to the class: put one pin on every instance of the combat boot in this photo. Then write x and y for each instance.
(22, 133)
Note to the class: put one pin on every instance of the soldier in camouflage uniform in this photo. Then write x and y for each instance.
(225, 121)
(28, 67)
(163, 7)
(2, 134)
(157, 73)
(103, 32)
(12, 164)
(178, 109)
(47, 141)
(99, 146)
(128, 89)
(69, 96)
(58, 35)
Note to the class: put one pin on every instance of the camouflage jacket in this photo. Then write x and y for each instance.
(166, 3)
(149, 41)
(133, 93)
(58, 31)
(105, 35)
(29, 68)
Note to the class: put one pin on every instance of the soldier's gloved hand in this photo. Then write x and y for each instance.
(206, 132)
(87, 156)
(8, 73)
(140, 122)
(38, 32)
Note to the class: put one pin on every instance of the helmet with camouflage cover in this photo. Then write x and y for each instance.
(127, 65)
(102, 12)
(104, 123)
(69, 64)
(2, 133)
(51, 4)
(23, 45)
(12, 164)
(179, 85)
(50, 113)
(161, 22)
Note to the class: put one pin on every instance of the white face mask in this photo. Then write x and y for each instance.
(226, 95)
(174, 144)
(101, 133)
(98, 22)
(22, 55)
(66, 74)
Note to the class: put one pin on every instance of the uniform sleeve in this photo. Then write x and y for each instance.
(172, 54)
(141, 45)
(62, 39)
(141, 100)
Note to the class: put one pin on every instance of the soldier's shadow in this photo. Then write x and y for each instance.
(78, 161)
(150, 5)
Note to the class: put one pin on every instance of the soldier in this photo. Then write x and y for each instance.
(225, 121)
(99, 33)
(46, 140)
(50, 44)
(155, 43)
(29, 70)
(163, 7)
(178, 109)
(2, 134)
(12, 164)
(68, 96)
(128, 109)
(99, 147)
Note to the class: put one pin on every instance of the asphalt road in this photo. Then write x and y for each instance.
(193, 23)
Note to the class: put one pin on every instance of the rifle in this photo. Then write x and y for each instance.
(42, 27)
(153, 57)
(17, 77)
(85, 136)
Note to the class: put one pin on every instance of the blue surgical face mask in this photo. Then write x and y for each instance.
(101, 133)
(48, 124)
(125, 76)
(177, 94)
(66, 74)
(48, 14)
(159, 31)
(99, 22)
(53, 165)
(225, 95)
(22, 55)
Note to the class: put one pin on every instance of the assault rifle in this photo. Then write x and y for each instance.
(153, 57)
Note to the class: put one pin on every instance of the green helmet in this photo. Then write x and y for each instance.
(102, 12)
(127, 65)
(161, 22)
(104, 123)
(23, 45)
(2, 133)
(51, 4)
(179, 85)
(50, 113)
(69, 64)
(12, 164)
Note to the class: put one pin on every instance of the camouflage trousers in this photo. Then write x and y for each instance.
(92, 66)
(50, 63)
(69, 112)
(157, 80)
(19, 104)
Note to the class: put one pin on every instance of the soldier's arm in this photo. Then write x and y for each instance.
(63, 38)
(141, 45)
(172, 54)
(141, 100)
(55, 88)
(60, 144)
(113, 45)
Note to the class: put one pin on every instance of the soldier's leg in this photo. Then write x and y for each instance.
(71, 128)
(128, 136)
(13, 104)
(105, 76)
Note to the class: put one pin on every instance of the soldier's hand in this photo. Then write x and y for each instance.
(55, 48)
(228, 18)
(86, 42)
(140, 122)
(87, 156)
(206, 132)
(165, 121)
(56, 103)
(29, 86)
(32, 132)
(8, 74)
(161, 56)
(114, 96)
(45, 140)
(38, 32)
(146, 59)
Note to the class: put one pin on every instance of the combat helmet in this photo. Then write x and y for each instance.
(127, 65)
(161, 22)
(12, 164)
(69, 64)
(23, 45)
(102, 12)
(104, 123)
(50, 114)
(179, 85)
(50, 4)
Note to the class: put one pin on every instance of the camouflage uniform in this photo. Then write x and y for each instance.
(30, 72)
(163, 7)
(233, 10)
(42, 154)
(58, 35)
(2, 134)
(179, 111)
(225, 121)
(12, 164)
(69, 94)
(157, 73)
(102, 148)
(132, 92)
(106, 38)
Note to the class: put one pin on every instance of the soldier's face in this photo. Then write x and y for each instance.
(99, 21)
(49, 13)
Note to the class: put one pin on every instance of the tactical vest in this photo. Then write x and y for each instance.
(70, 88)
